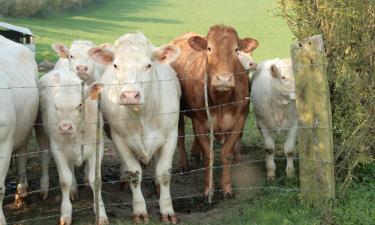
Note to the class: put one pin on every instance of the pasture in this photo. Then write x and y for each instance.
(260, 202)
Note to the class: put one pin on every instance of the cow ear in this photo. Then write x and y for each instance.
(102, 56)
(198, 43)
(93, 90)
(61, 50)
(167, 54)
(275, 71)
(248, 44)
(108, 46)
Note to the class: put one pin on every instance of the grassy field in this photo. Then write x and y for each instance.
(161, 21)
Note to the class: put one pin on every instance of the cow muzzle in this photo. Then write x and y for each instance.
(130, 98)
(82, 72)
(66, 127)
(223, 82)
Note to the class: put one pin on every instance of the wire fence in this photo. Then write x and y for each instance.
(146, 178)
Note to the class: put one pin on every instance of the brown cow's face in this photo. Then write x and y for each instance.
(222, 45)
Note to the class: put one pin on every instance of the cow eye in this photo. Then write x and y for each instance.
(237, 50)
(209, 49)
(115, 66)
(71, 56)
(283, 78)
(148, 66)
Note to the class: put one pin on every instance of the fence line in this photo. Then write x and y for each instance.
(173, 198)
(180, 173)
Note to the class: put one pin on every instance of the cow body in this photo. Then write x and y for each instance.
(273, 97)
(228, 91)
(141, 99)
(77, 60)
(20, 106)
(60, 106)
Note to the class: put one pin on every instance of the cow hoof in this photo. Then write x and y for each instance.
(290, 172)
(74, 195)
(228, 195)
(20, 200)
(271, 178)
(43, 195)
(124, 186)
(168, 219)
(103, 221)
(141, 218)
(64, 220)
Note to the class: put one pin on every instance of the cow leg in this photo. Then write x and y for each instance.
(124, 184)
(228, 152)
(73, 189)
(203, 141)
(196, 151)
(237, 151)
(289, 150)
(22, 186)
(66, 180)
(103, 219)
(6, 147)
(183, 160)
(45, 157)
(134, 175)
(269, 145)
(163, 175)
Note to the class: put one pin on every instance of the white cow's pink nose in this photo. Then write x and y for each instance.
(130, 97)
(82, 69)
(66, 127)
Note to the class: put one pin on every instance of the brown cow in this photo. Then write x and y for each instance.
(216, 55)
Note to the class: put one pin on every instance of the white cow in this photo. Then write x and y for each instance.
(273, 97)
(19, 107)
(247, 61)
(141, 98)
(60, 104)
(77, 60)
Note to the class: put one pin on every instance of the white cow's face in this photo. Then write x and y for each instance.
(247, 61)
(79, 61)
(134, 62)
(282, 72)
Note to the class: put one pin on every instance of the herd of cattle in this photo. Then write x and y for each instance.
(146, 92)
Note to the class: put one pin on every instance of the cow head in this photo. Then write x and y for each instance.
(283, 79)
(247, 61)
(66, 102)
(79, 61)
(222, 46)
(134, 61)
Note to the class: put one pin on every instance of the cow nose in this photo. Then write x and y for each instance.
(66, 127)
(130, 94)
(225, 78)
(82, 69)
(253, 65)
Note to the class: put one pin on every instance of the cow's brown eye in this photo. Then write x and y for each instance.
(115, 66)
(209, 49)
(71, 56)
(283, 78)
(148, 66)
(237, 50)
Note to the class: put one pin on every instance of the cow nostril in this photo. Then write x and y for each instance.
(230, 78)
(218, 78)
(86, 68)
(136, 95)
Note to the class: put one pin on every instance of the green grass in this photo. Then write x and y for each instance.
(161, 21)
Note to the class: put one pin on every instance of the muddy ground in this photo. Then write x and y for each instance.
(186, 191)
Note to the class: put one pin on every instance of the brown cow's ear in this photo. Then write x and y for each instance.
(93, 90)
(198, 43)
(248, 44)
(61, 50)
(275, 71)
(102, 56)
(167, 54)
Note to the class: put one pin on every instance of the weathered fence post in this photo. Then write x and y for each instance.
(315, 139)
(98, 181)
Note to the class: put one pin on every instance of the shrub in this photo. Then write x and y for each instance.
(348, 29)
(34, 7)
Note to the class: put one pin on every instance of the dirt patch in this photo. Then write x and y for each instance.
(186, 191)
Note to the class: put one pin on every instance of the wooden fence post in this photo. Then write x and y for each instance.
(98, 180)
(315, 139)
